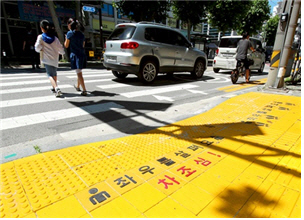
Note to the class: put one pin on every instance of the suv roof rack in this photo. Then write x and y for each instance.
(149, 22)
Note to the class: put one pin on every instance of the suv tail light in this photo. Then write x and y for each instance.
(129, 45)
(105, 45)
(216, 52)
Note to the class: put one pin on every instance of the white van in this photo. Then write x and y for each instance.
(226, 54)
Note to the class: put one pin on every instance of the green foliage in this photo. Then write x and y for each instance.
(239, 15)
(271, 30)
(259, 13)
(37, 149)
(190, 12)
(226, 15)
(144, 10)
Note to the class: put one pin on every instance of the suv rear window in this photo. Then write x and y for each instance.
(229, 42)
(122, 33)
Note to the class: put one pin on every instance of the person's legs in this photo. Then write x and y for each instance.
(246, 64)
(32, 55)
(80, 80)
(247, 75)
(52, 75)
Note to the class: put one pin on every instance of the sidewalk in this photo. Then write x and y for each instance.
(239, 159)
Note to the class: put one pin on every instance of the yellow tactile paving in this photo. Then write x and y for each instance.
(239, 159)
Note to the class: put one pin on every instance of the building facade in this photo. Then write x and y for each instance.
(17, 15)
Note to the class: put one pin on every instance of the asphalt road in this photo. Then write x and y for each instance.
(34, 120)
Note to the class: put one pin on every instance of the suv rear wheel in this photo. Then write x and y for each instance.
(148, 71)
(199, 69)
(119, 75)
(216, 70)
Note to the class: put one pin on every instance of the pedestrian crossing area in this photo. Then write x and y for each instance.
(28, 103)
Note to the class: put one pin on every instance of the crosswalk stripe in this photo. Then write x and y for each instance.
(25, 83)
(3, 76)
(34, 100)
(38, 118)
(95, 75)
(113, 86)
(32, 89)
(22, 77)
(84, 72)
(96, 80)
(157, 90)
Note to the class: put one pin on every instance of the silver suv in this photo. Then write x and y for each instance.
(146, 49)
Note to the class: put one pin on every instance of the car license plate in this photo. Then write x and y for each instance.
(227, 55)
(112, 59)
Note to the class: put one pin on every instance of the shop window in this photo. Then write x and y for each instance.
(12, 11)
(3, 26)
(120, 15)
(18, 23)
(107, 10)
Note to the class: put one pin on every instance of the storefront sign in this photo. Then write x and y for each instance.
(89, 9)
(30, 12)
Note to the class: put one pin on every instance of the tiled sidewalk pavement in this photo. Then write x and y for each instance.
(240, 159)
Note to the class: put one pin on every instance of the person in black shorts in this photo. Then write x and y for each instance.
(243, 45)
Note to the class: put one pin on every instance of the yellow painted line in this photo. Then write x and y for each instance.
(236, 156)
(227, 87)
(233, 88)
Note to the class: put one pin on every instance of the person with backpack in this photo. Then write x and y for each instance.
(50, 47)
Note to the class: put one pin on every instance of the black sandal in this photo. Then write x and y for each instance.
(84, 93)
(77, 89)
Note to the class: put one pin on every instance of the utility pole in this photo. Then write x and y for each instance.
(295, 9)
(286, 29)
(100, 28)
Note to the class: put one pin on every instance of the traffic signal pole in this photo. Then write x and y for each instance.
(278, 44)
(295, 9)
(283, 42)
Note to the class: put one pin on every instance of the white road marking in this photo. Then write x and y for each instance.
(21, 121)
(157, 90)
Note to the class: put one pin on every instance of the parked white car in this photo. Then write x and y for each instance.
(225, 58)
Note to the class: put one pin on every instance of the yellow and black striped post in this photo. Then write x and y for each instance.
(275, 58)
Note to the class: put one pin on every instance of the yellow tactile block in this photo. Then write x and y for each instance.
(240, 159)
(13, 200)
(144, 197)
(169, 208)
(118, 208)
(95, 196)
(66, 208)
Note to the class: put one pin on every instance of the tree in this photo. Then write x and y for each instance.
(270, 30)
(226, 15)
(239, 15)
(259, 13)
(190, 12)
(144, 10)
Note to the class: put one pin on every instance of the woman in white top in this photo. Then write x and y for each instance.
(50, 47)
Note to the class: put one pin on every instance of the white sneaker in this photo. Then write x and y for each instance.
(58, 93)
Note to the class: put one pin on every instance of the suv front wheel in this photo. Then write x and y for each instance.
(148, 71)
(198, 70)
